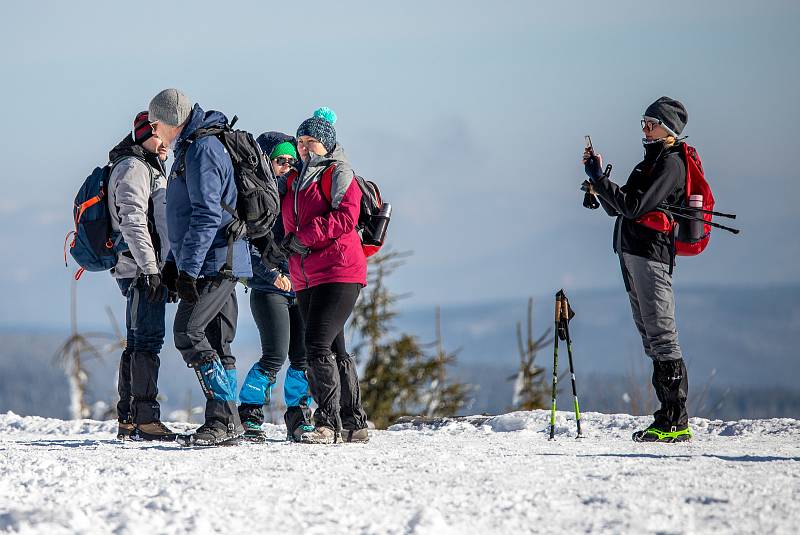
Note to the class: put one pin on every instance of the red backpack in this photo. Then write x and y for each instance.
(673, 219)
(373, 216)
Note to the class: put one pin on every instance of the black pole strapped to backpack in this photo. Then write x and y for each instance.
(685, 213)
(701, 210)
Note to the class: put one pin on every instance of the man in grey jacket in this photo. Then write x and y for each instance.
(136, 199)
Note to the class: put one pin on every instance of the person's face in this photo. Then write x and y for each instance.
(166, 133)
(653, 130)
(281, 164)
(308, 144)
(156, 146)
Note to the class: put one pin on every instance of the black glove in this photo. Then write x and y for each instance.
(292, 245)
(593, 168)
(273, 256)
(187, 288)
(151, 284)
(169, 277)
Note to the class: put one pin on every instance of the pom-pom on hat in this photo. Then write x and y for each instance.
(320, 127)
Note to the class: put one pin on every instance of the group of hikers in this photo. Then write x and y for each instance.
(306, 275)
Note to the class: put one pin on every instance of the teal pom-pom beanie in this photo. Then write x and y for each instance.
(320, 127)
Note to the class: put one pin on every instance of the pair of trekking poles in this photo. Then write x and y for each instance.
(563, 315)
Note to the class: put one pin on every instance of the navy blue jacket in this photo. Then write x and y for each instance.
(201, 177)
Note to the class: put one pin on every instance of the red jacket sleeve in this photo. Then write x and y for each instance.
(336, 222)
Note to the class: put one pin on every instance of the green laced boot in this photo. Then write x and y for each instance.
(654, 434)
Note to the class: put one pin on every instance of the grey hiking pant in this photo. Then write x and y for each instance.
(649, 286)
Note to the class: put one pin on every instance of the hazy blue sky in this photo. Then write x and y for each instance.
(470, 115)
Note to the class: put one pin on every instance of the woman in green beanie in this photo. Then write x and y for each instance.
(273, 304)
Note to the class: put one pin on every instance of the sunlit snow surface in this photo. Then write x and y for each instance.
(500, 477)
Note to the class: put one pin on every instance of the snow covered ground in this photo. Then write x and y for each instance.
(503, 477)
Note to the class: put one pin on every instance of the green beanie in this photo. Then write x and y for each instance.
(283, 149)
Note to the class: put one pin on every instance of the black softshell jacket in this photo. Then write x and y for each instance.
(660, 177)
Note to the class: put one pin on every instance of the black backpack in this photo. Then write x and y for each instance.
(258, 202)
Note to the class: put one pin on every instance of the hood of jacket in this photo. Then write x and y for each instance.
(127, 147)
(269, 140)
(314, 166)
(199, 119)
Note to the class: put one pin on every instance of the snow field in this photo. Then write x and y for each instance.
(500, 477)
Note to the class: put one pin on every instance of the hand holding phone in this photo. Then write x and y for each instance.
(592, 162)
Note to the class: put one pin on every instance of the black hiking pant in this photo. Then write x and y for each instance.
(332, 372)
(204, 331)
(280, 327)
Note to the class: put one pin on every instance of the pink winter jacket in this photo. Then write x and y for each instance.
(328, 228)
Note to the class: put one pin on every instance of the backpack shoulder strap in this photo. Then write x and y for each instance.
(326, 183)
(197, 135)
(208, 131)
(290, 178)
(113, 164)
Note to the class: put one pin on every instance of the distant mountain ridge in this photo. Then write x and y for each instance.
(744, 337)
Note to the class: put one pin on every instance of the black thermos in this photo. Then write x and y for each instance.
(381, 221)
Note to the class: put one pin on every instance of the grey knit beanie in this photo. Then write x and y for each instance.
(671, 113)
(171, 107)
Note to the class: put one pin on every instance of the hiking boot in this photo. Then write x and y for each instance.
(253, 431)
(297, 422)
(654, 434)
(296, 435)
(154, 431)
(211, 435)
(319, 435)
(355, 435)
(124, 430)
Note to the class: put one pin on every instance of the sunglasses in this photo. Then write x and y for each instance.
(649, 124)
(284, 160)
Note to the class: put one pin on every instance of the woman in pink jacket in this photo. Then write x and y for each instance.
(328, 269)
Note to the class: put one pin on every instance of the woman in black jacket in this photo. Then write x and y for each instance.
(647, 258)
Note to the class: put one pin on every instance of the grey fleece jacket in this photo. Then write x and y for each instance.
(131, 184)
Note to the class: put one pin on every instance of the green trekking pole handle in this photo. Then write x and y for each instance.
(565, 322)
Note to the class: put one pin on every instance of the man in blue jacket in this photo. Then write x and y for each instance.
(205, 324)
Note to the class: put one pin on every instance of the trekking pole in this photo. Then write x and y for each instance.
(709, 223)
(712, 212)
(555, 370)
(565, 317)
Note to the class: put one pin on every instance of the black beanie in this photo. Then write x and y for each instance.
(670, 112)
